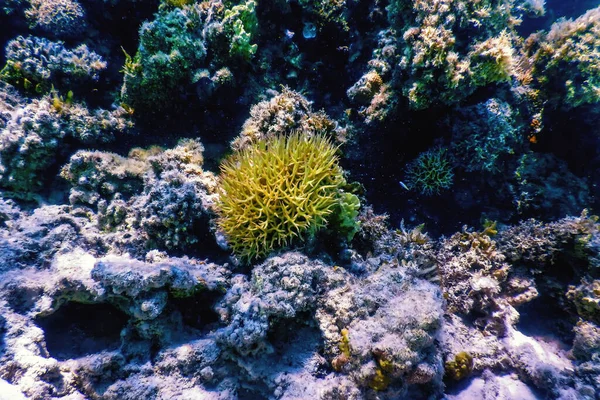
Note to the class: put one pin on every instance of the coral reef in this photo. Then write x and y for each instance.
(283, 114)
(183, 54)
(164, 195)
(292, 321)
(486, 137)
(62, 18)
(236, 199)
(472, 271)
(559, 193)
(448, 49)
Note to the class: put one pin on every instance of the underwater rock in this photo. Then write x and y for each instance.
(163, 195)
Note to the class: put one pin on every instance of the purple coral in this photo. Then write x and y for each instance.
(37, 63)
(63, 18)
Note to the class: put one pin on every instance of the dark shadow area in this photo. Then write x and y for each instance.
(247, 394)
(569, 9)
(205, 248)
(379, 160)
(12, 25)
(550, 316)
(544, 319)
(287, 334)
(213, 124)
(197, 311)
(2, 333)
(574, 136)
(555, 9)
(453, 387)
(77, 330)
(113, 27)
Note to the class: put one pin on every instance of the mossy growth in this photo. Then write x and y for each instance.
(178, 293)
(278, 190)
(344, 220)
(13, 73)
(380, 381)
(177, 3)
(345, 342)
(60, 103)
(344, 346)
(461, 367)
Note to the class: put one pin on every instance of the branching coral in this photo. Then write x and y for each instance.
(277, 190)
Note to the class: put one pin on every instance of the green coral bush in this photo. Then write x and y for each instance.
(277, 190)
(170, 48)
(188, 43)
(242, 21)
(345, 218)
(565, 61)
(449, 48)
(430, 173)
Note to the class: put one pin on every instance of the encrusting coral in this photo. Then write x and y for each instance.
(65, 18)
(37, 64)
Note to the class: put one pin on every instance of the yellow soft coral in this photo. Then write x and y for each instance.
(277, 190)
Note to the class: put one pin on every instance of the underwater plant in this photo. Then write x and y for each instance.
(277, 190)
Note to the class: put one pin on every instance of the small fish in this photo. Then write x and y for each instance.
(404, 186)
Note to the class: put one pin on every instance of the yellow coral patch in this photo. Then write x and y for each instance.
(277, 190)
